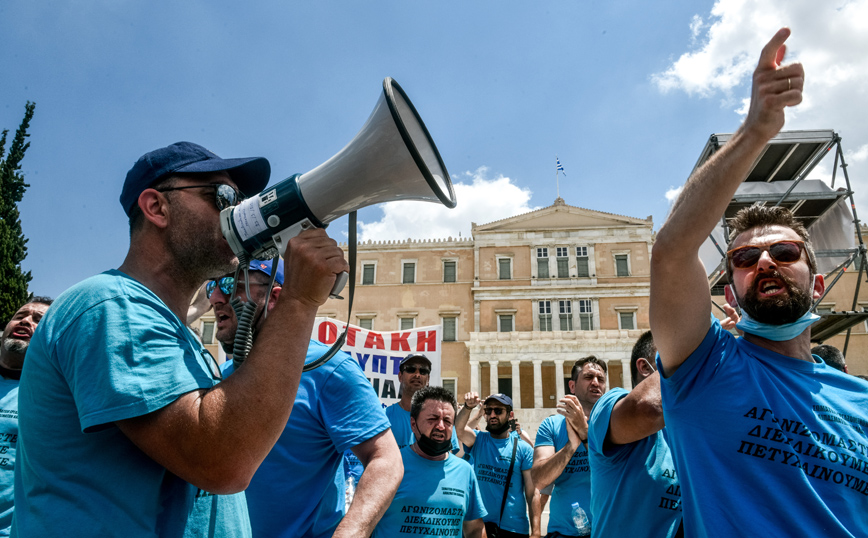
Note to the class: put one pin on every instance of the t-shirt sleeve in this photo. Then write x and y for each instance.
(126, 357)
(524, 455)
(601, 414)
(545, 435)
(475, 507)
(698, 369)
(349, 407)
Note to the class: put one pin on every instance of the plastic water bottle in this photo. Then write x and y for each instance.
(580, 520)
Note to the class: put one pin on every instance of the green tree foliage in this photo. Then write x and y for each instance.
(13, 244)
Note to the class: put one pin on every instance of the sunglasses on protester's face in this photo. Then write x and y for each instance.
(496, 410)
(226, 284)
(412, 370)
(224, 195)
(782, 252)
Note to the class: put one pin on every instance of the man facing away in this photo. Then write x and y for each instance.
(125, 430)
(768, 440)
(560, 454)
(439, 495)
(413, 375)
(13, 349)
(634, 488)
(294, 491)
(494, 452)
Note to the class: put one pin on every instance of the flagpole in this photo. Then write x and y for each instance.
(557, 177)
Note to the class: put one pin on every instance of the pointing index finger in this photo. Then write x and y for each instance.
(773, 53)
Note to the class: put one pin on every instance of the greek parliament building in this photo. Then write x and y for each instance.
(519, 301)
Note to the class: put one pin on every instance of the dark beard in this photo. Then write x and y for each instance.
(497, 431)
(780, 309)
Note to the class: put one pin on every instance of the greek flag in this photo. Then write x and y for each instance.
(560, 166)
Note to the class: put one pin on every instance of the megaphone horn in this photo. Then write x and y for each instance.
(391, 158)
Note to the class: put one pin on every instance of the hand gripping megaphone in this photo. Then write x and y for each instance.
(391, 158)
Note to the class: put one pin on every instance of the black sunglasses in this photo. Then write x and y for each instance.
(496, 410)
(782, 252)
(412, 370)
(224, 195)
(227, 284)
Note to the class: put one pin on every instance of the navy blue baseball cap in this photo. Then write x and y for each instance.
(265, 266)
(500, 397)
(249, 174)
(415, 357)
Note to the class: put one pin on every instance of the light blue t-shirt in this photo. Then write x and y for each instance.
(573, 484)
(767, 445)
(434, 499)
(404, 435)
(491, 459)
(634, 489)
(8, 442)
(108, 349)
(298, 489)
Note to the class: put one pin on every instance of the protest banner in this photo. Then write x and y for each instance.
(379, 353)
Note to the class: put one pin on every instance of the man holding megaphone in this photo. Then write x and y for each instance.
(125, 430)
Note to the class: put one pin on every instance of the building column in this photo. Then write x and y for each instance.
(627, 374)
(474, 376)
(516, 384)
(492, 378)
(537, 384)
(559, 379)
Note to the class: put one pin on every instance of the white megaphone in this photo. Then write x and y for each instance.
(391, 158)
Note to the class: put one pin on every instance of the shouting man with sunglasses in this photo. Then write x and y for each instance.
(126, 429)
(768, 440)
(336, 410)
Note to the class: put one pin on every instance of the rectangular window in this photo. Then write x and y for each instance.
(582, 262)
(450, 329)
(505, 323)
(366, 323)
(504, 268)
(586, 315)
(368, 274)
(542, 262)
(449, 271)
(450, 384)
(563, 259)
(565, 309)
(627, 320)
(622, 265)
(407, 323)
(409, 273)
(545, 315)
(207, 332)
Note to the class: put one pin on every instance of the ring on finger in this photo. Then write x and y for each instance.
(789, 84)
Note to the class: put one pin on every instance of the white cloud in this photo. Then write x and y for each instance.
(673, 193)
(480, 199)
(829, 39)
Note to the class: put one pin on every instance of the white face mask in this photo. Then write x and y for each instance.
(777, 333)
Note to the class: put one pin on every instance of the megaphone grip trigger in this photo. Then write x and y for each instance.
(340, 282)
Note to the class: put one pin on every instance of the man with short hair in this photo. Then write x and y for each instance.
(14, 342)
(414, 373)
(439, 495)
(831, 356)
(495, 452)
(634, 488)
(560, 454)
(125, 430)
(756, 415)
(336, 410)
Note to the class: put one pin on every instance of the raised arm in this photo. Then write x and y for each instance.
(531, 495)
(548, 464)
(216, 438)
(466, 434)
(680, 303)
(383, 472)
(638, 414)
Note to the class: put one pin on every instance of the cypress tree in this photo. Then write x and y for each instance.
(13, 244)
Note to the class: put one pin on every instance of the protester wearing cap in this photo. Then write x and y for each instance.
(505, 492)
(336, 411)
(125, 430)
(414, 374)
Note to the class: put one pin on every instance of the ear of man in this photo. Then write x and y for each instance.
(154, 207)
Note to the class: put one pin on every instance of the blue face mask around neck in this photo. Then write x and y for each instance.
(777, 333)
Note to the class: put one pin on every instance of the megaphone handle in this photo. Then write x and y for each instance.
(340, 282)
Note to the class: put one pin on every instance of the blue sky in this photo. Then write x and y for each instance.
(625, 93)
